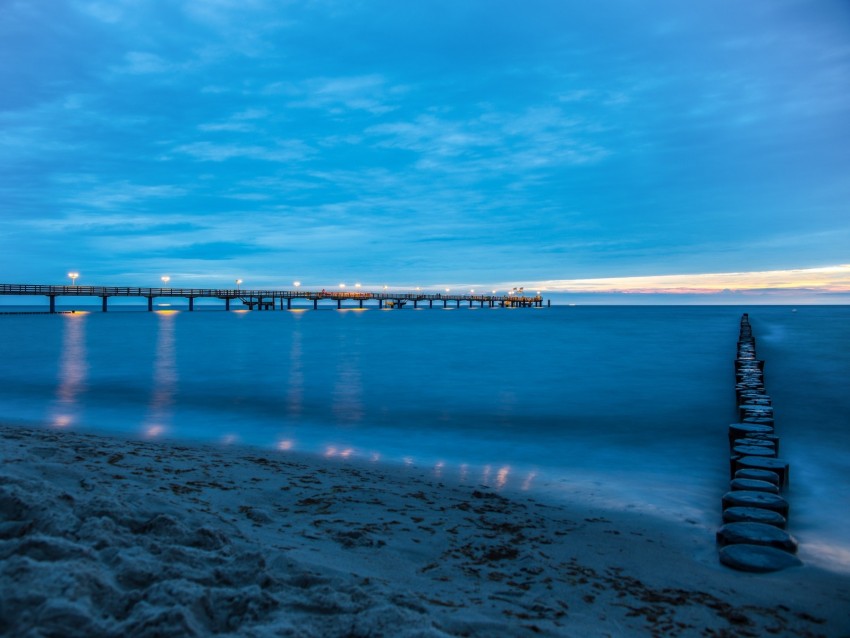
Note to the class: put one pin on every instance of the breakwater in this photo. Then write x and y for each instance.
(755, 513)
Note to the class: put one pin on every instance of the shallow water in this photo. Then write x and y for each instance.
(629, 403)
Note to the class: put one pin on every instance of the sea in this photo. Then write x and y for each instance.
(627, 404)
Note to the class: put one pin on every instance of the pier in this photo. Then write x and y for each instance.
(278, 299)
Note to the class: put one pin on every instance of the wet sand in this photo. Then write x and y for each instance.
(108, 537)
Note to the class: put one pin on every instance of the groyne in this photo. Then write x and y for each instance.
(755, 512)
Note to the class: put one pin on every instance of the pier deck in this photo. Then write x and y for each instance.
(273, 299)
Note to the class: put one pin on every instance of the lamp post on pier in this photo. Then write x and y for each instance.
(165, 280)
(73, 276)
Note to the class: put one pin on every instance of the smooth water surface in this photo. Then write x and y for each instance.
(630, 401)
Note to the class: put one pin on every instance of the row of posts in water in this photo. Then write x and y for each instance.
(755, 514)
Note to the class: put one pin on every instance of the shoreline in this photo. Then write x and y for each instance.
(107, 536)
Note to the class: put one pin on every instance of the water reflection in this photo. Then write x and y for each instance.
(73, 370)
(502, 477)
(347, 398)
(295, 395)
(526, 484)
(161, 406)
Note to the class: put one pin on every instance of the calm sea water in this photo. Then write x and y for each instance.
(631, 403)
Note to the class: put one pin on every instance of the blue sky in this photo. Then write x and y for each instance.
(460, 143)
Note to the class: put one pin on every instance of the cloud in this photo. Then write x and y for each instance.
(369, 93)
(281, 151)
(241, 122)
(144, 63)
(120, 194)
(827, 279)
(495, 142)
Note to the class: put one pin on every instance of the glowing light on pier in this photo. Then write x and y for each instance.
(296, 283)
(73, 276)
(165, 280)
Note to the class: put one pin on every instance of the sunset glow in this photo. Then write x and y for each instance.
(827, 279)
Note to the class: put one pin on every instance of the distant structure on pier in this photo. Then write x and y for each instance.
(279, 299)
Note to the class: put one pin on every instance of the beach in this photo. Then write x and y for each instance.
(104, 536)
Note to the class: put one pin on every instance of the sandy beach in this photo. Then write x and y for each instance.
(107, 537)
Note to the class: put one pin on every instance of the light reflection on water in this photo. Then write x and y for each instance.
(161, 406)
(631, 402)
(72, 371)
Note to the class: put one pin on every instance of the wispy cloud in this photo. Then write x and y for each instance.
(119, 195)
(538, 137)
(144, 63)
(371, 93)
(241, 122)
(279, 151)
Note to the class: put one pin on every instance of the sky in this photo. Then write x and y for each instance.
(644, 149)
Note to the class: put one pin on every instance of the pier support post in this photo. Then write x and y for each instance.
(191, 303)
(103, 304)
(361, 303)
(315, 304)
(227, 303)
(415, 303)
(52, 303)
(289, 303)
(380, 304)
(338, 304)
(445, 302)
(150, 304)
(457, 303)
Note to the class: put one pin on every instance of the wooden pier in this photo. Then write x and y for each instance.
(277, 299)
